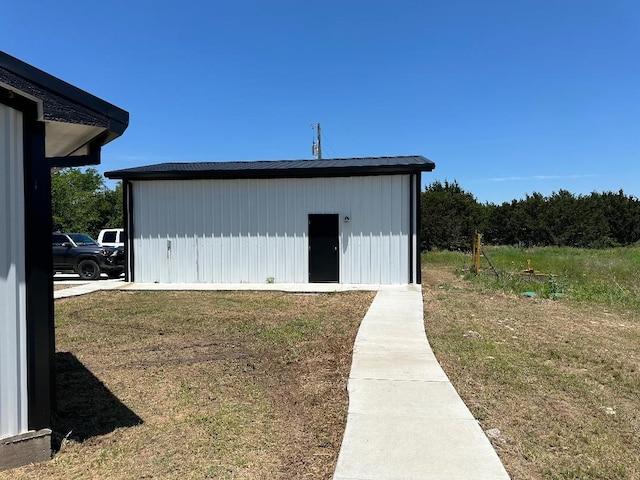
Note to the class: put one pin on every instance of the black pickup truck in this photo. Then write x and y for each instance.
(81, 254)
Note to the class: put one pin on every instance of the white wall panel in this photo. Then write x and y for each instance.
(13, 341)
(248, 230)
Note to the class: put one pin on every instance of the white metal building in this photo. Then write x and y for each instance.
(341, 220)
(44, 123)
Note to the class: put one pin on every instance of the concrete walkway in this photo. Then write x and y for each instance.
(82, 287)
(405, 419)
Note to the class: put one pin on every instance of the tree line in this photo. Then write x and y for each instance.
(450, 216)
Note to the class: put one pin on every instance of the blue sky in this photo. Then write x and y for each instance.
(507, 97)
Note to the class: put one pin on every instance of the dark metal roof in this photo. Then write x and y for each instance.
(335, 167)
(74, 119)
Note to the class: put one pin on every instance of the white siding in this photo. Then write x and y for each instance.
(246, 230)
(13, 341)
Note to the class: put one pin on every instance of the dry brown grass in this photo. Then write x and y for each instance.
(559, 379)
(252, 385)
(201, 385)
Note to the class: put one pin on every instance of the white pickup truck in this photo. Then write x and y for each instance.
(112, 237)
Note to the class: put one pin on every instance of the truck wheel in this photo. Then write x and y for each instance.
(88, 270)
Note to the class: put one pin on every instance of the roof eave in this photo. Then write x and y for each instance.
(77, 138)
(119, 117)
(270, 173)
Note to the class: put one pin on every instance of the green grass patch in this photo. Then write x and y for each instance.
(608, 277)
(291, 332)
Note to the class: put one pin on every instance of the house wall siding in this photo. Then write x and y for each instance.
(249, 230)
(13, 341)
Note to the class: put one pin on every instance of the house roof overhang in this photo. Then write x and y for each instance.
(336, 167)
(77, 124)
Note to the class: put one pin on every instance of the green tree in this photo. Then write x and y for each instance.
(81, 201)
(623, 215)
(449, 217)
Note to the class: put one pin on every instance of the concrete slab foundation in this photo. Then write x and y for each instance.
(24, 449)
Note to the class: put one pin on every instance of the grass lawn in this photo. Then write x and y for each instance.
(253, 385)
(560, 379)
(61, 287)
(201, 385)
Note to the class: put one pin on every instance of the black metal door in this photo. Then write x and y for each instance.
(323, 248)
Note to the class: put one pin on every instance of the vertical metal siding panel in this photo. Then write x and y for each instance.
(342, 186)
(240, 249)
(384, 219)
(395, 212)
(185, 235)
(13, 341)
(397, 247)
(285, 216)
(268, 227)
(232, 238)
(151, 256)
(205, 242)
(256, 235)
(357, 235)
(141, 243)
(404, 246)
(216, 243)
(373, 274)
(346, 232)
(370, 231)
(399, 231)
(299, 226)
(272, 231)
(398, 236)
(256, 268)
(383, 238)
(275, 199)
(194, 214)
(236, 243)
(240, 208)
(378, 230)
(224, 225)
(376, 207)
(386, 258)
(251, 268)
(176, 218)
(149, 215)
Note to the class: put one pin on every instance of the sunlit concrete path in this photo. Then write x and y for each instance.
(74, 286)
(405, 420)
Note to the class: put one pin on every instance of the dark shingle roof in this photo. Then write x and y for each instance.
(335, 167)
(73, 117)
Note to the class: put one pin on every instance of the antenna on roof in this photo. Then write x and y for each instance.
(316, 148)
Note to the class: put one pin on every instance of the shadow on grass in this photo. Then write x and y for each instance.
(85, 406)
